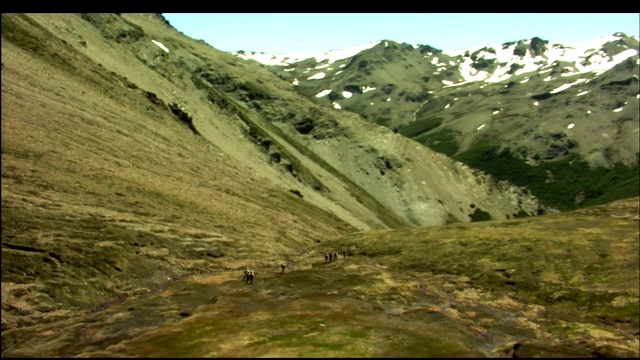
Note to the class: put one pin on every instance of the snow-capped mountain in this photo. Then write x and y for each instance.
(533, 101)
(288, 59)
(515, 58)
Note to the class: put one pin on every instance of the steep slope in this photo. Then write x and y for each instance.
(519, 111)
(284, 126)
(106, 193)
(141, 154)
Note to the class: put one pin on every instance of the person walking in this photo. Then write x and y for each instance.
(283, 265)
(326, 257)
(245, 276)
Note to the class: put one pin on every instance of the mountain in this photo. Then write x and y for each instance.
(560, 119)
(143, 171)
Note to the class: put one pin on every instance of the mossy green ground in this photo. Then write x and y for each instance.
(460, 290)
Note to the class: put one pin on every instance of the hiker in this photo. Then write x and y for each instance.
(282, 266)
(326, 257)
(335, 256)
(344, 254)
(245, 276)
(250, 277)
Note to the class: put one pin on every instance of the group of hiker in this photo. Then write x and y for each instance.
(328, 257)
(248, 273)
(333, 256)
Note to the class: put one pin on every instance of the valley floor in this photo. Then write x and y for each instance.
(349, 307)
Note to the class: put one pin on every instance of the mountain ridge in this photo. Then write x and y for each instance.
(542, 103)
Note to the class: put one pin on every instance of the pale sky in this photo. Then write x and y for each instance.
(321, 32)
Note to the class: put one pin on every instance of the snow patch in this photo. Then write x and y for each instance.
(161, 46)
(320, 75)
(323, 93)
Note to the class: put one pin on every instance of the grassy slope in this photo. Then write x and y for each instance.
(102, 183)
(563, 285)
(565, 184)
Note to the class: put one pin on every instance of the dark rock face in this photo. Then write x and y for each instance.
(305, 126)
(115, 28)
(538, 46)
(183, 116)
(353, 89)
